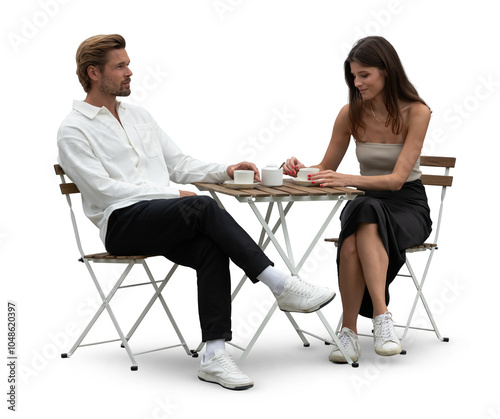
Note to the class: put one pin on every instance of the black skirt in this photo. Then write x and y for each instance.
(403, 219)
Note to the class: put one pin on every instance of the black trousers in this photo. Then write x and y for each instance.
(191, 231)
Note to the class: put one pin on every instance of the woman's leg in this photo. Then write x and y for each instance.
(363, 263)
(374, 261)
(351, 282)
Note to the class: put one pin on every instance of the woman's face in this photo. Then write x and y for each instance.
(370, 81)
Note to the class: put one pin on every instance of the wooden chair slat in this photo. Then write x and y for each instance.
(436, 180)
(105, 255)
(59, 170)
(437, 161)
(68, 188)
(420, 246)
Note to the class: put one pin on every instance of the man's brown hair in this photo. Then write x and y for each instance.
(93, 51)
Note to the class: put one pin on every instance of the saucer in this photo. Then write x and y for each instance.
(304, 182)
(230, 184)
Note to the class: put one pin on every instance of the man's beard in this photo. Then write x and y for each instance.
(109, 88)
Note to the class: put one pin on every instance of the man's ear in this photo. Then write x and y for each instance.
(93, 72)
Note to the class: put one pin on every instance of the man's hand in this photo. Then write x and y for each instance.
(186, 193)
(243, 166)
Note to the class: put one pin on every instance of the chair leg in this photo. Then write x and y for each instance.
(105, 305)
(164, 304)
(420, 296)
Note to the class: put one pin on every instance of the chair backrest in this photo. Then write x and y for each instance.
(438, 180)
(444, 180)
(68, 188)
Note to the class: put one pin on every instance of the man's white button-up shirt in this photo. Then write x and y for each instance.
(116, 165)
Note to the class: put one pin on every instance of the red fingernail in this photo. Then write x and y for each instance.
(321, 185)
(313, 183)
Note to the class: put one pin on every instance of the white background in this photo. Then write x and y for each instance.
(214, 74)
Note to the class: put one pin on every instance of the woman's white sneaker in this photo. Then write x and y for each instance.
(350, 342)
(385, 339)
(221, 369)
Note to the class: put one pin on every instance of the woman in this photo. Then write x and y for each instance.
(388, 121)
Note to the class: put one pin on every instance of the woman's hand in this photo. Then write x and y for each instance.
(330, 178)
(292, 166)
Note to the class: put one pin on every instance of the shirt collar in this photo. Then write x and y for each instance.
(90, 111)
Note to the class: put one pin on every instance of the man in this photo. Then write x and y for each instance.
(122, 163)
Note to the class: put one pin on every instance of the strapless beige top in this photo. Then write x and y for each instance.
(380, 158)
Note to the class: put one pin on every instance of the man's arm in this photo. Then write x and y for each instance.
(86, 170)
(184, 169)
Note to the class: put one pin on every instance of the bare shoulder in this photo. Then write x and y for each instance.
(344, 112)
(418, 110)
(342, 120)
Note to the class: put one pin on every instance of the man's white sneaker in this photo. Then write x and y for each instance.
(350, 342)
(385, 339)
(221, 369)
(302, 297)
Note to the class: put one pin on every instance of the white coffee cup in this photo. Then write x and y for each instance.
(243, 177)
(305, 171)
(272, 175)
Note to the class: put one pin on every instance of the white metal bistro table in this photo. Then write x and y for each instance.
(277, 196)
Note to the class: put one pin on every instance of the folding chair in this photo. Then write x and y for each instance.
(68, 189)
(428, 180)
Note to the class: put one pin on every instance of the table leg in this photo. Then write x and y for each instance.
(319, 235)
(288, 244)
(216, 198)
(271, 235)
(263, 245)
(289, 261)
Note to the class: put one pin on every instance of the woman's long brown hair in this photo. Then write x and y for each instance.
(376, 51)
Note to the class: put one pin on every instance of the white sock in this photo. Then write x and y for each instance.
(211, 347)
(274, 279)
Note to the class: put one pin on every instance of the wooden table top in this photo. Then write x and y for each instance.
(289, 188)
